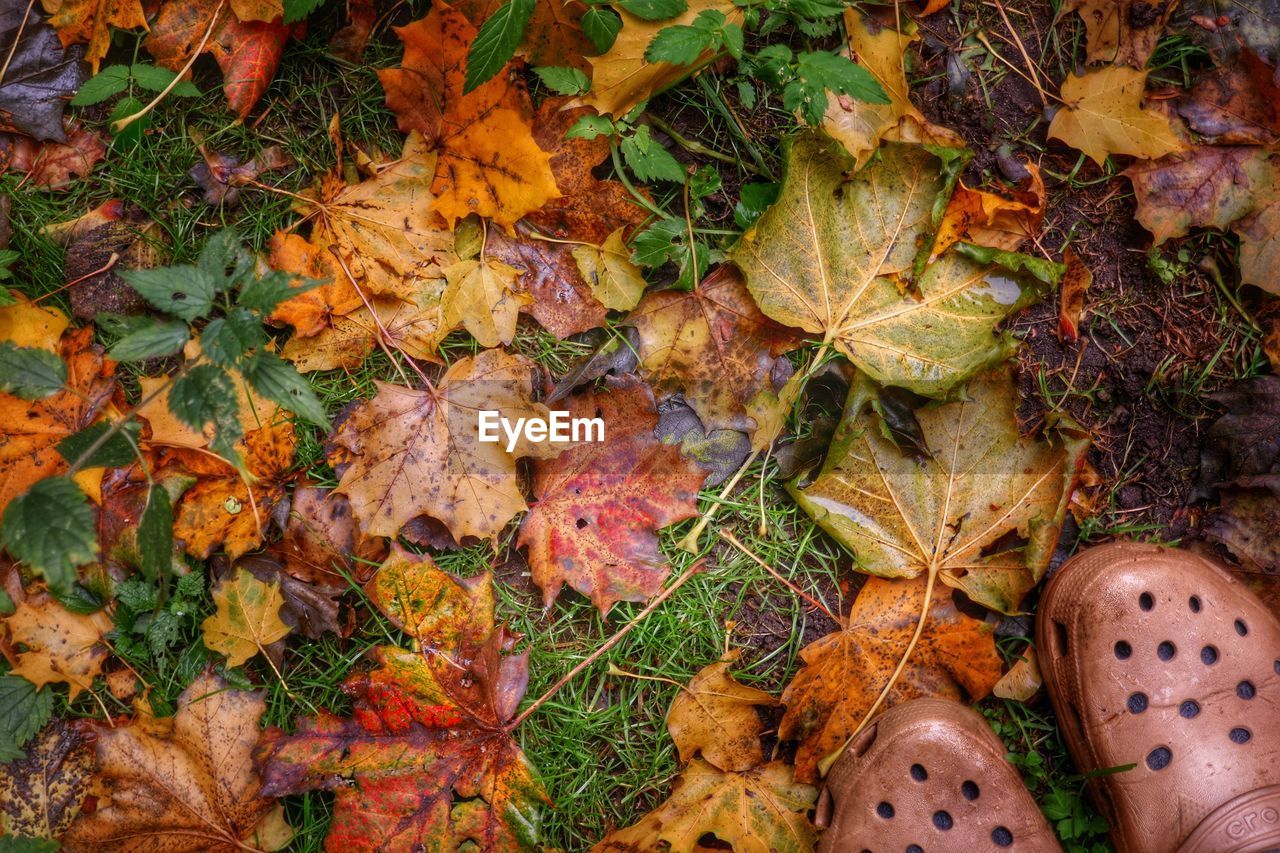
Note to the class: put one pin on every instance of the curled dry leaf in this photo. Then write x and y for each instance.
(247, 619)
(425, 759)
(600, 504)
(406, 453)
(89, 22)
(489, 163)
(1104, 115)
(321, 542)
(845, 672)
(1122, 32)
(40, 74)
(1075, 284)
(714, 716)
(246, 51)
(998, 220)
(831, 256)
(759, 810)
(188, 785)
(713, 346)
(41, 794)
(1023, 680)
(47, 644)
(54, 165)
(979, 482)
(221, 175)
(622, 78)
(445, 613)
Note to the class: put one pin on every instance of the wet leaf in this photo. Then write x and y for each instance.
(714, 717)
(599, 505)
(321, 542)
(1207, 187)
(1235, 105)
(41, 794)
(1075, 284)
(1254, 24)
(1122, 32)
(48, 644)
(40, 75)
(54, 165)
(89, 22)
(247, 619)
(1104, 115)
(556, 292)
(439, 610)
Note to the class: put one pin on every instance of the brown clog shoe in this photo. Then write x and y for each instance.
(1159, 658)
(929, 776)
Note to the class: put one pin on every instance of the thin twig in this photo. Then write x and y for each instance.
(695, 147)
(733, 540)
(695, 569)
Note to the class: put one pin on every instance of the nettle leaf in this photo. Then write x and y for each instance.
(51, 529)
(563, 80)
(222, 252)
(183, 291)
(155, 534)
(278, 381)
(590, 127)
(265, 293)
(161, 338)
(681, 45)
(601, 26)
(225, 340)
(648, 159)
(155, 79)
(116, 450)
(656, 245)
(819, 72)
(653, 10)
(29, 373)
(107, 83)
(24, 709)
(207, 395)
(496, 42)
(296, 10)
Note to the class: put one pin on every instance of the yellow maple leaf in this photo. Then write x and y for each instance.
(480, 296)
(89, 22)
(1104, 115)
(57, 646)
(608, 271)
(247, 620)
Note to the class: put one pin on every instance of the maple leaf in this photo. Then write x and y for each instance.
(248, 52)
(187, 784)
(1260, 249)
(712, 345)
(714, 715)
(1206, 187)
(409, 327)
(47, 644)
(977, 481)
(32, 430)
(53, 164)
(1237, 105)
(480, 296)
(622, 78)
(439, 610)
(425, 761)
(615, 281)
(599, 504)
(1000, 221)
(40, 77)
(406, 453)
(321, 542)
(247, 619)
(1104, 115)
(845, 672)
(489, 163)
(559, 297)
(831, 254)
(41, 793)
(313, 311)
(759, 810)
(1115, 35)
(89, 22)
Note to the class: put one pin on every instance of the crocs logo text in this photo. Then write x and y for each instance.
(1246, 824)
(558, 427)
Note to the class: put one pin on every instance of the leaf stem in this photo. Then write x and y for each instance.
(733, 540)
(696, 147)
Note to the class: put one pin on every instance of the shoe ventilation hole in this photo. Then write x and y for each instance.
(885, 810)
(919, 773)
(1276, 667)
(942, 820)
(1246, 690)
(1166, 650)
(914, 848)
(1137, 703)
(1189, 709)
(1145, 601)
(1194, 603)
(1159, 758)
(1240, 735)
(1001, 837)
(1208, 656)
(1124, 651)
(1241, 628)
(969, 790)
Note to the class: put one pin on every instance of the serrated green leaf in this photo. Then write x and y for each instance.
(107, 83)
(225, 340)
(29, 373)
(155, 534)
(601, 26)
(163, 337)
(680, 45)
(132, 134)
(24, 709)
(589, 127)
(207, 395)
(183, 291)
(648, 159)
(563, 80)
(278, 381)
(265, 293)
(79, 599)
(222, 252)
(496, 42)
(296, 10)
(117, 450)
(51, 529)
(151, 77)
(653, 10)
(656, 245)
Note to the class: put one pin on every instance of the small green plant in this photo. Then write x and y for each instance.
(150, 623)
(130, 80)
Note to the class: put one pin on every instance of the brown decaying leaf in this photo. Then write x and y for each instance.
(559, 298)
(622, 78)
(31, 430)
(321, 543)
(1104, 115)
(1075, 284)
(187, 785)
(714, 716)
(89, 22)
(1023, 680)
(221, 175)
(40, 74)
(47, 644)
(445, 613)
(41, 794)
(54, 165)
(406, 452)
(1122, 32)
(844, 672)
(1235, 105)
(489, 163)
(133, 241)
(349, 42)
(713, 346)
(246, 51)
(599, 505)
(1000, 220)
